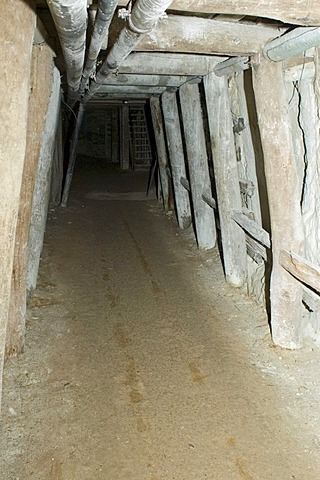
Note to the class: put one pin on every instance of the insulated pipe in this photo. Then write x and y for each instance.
(102, 22)
(142, 20)
(70, 18)
(292, 43)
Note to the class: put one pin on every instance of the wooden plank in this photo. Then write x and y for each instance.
(251, 227)
(146, 80)
(282, 185)
(131, 89)
(185, 183)
(199, 177)
(301, 269)
(41, 85)
(124, 137)
(14, 93)
(158, 63)
(176, 157)
(298, 12)
(158, 128)
(206, 36)
(232, 65)
(210, 201)
(226, 176)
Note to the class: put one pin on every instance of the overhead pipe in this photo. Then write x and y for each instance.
(105, 12)
(292, 43)
(70, 18)
(144, 17)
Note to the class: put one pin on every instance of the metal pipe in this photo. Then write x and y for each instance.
(106, 9)
(142, 20)
(70, 18)
(292, 43)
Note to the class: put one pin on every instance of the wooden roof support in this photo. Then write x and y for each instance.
(296, 12)
(226, 176)
(168, 63)
(284, 199)
(147, 80)
(158, 128)
(198, 164)
(176, 157)
(200, 35)
(231, 65)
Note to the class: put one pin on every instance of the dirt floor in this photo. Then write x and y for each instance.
(141, 363)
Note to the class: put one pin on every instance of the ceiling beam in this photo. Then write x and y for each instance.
(297, 12)
(129, 90)
(200, 35)
(169, 64)
(146, 80)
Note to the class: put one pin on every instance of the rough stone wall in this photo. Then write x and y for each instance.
(43, 183)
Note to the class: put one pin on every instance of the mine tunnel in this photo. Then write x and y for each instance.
(159, 241)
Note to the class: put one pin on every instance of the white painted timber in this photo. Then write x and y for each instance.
(176, 157)
(43, 183)
(198, 165)
(226, 176)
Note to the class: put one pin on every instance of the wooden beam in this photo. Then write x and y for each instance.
(176, 157)
(131, 90)
(231, 66)
(154, 63)
(301, 269)
(200, 182)
(41, 86)
(158, 128)
(14, 94)
(200, 35)
(146, 80)
(298, 12)
(124, 137)
(251, 227)
(284, 198)
(226, 176)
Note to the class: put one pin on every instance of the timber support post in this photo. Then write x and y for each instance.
(158, 128)
(124, 137)
(284, 199)
(176, 156)
(198, 164)
(226, 177)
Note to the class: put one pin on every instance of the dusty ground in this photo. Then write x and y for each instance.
(142, 364)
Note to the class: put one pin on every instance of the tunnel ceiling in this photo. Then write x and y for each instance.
(187, 43)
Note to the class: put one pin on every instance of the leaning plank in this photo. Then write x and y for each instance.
(282, 184)
(301, 269)
(232, 65)
(176, 157)
(158, 128)
(250, 226)
(14, 93)
(226, 177)
(200, 182)
(41, 85)
(298, 12)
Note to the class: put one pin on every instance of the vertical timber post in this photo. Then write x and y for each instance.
(158, 129)
(14, 92)
(284, 198)
(41, 86)
(198, 164)
(176, 156)
(124, 138)
(226, 177)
